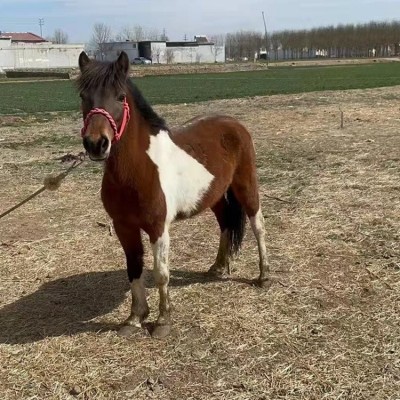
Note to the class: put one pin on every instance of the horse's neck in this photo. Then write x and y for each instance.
(128, 163)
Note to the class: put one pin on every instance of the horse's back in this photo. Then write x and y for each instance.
(212, 122)
(213, 133)
(223, 146)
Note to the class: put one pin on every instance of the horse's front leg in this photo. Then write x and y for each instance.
(161, 277)
(131, 241)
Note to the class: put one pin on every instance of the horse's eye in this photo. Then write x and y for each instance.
(121, 97)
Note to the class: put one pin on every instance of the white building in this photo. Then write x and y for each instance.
(43, 54)
(161, 52)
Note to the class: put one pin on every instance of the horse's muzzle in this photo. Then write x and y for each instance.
(99, 149)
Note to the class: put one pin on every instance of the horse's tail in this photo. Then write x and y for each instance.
(236, 222)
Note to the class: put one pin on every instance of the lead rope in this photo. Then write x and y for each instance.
(50, 182)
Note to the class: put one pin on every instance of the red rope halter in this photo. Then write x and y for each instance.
(102, 111)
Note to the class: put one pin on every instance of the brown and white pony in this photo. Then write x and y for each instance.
(154, 175)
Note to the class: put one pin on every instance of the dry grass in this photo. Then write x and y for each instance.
(328, 328)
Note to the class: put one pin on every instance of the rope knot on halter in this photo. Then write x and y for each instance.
(102, 111)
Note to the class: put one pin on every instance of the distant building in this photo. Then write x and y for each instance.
(113, 49)
(164, 52)
(22, 37)
(201, 39)
(29, 51)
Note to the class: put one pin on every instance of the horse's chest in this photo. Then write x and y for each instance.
(118, 201)
(184, 181)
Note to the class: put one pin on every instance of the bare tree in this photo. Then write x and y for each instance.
(218, 48)
(152, 34)
(243, 44)
(137, 33)
(157, 54)
(126, 33)
(276, 43)
(101, 35)
(169, 55)
(59, 37)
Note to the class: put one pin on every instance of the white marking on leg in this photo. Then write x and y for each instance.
(161, 275)
(183, 179)
(258, 227)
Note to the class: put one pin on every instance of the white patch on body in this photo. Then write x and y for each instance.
(183, 179)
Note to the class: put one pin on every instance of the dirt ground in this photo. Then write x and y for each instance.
(328, 328)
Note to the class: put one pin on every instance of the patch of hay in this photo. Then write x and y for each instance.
(329, 326)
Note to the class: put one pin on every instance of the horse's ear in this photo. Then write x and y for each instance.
(123, 63)
(83, 60)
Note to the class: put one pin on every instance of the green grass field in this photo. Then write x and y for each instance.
(37, 97)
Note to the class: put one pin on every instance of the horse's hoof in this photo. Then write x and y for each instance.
(129, 330)
(263, 283)
(161, 331)
(217, 271)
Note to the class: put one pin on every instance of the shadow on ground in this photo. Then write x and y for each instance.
(66, 306)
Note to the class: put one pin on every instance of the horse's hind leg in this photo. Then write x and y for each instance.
(258, 228)
(221, 264)
(245, 188)
(131, 241)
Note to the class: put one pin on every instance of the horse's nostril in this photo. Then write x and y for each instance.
(104, 144)
(97, 148)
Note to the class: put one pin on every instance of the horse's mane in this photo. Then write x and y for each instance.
(108, 74)
(146, 110)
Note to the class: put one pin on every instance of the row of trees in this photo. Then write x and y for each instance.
(380, 39)
(243, 45)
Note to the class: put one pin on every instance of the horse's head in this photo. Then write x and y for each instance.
(103, 90)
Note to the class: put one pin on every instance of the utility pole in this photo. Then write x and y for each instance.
(266, 39)
(41, 23)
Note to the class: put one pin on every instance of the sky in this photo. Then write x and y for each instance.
(187, 17)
